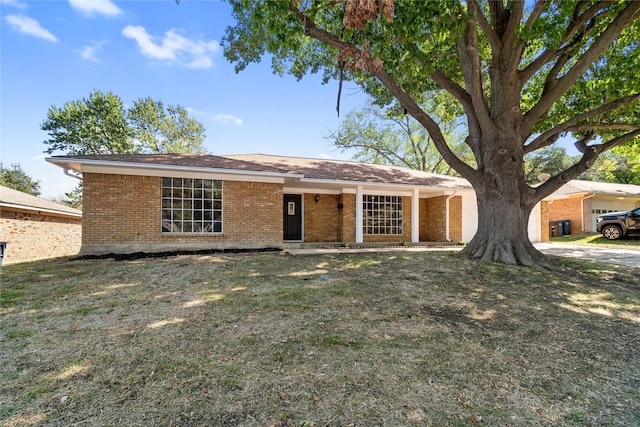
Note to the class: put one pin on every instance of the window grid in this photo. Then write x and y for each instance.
(191, 205)
(383, 215)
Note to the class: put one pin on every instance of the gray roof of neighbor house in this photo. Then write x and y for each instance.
(608, 188)
(10, 198)
(294, 167)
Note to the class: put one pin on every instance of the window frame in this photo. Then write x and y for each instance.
(382, 215)
(191, 205)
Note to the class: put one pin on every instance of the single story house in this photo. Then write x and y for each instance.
(170, 202)
(35, 228)
(581, 202)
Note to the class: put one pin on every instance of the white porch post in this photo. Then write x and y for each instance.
(415, 216)
(359, 215)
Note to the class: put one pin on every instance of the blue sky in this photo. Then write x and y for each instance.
(55, 51)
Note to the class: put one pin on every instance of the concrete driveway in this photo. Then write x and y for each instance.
(629, 257)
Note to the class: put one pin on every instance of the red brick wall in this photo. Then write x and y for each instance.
(570, 208)
(544, 221)
(347, 218)
(32, 236)
(436, 230)
(322, 218)
(123, 215)
(455, 219)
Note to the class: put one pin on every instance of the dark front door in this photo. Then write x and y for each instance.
(292, 217)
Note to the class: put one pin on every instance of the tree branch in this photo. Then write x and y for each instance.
(561, 85)
(541, 140)
(535, 14)
(589, 156)
(485, 26)
(472, 70)
(313, 31)
(548, 55)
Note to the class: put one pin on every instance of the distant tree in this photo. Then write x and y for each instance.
(74, 197)
(548, 161)
(100, 124)
(621, 165)
(165, 131)
(93, 125)
(390, 136)
(17, 179)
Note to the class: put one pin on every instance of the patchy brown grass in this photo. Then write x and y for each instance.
(421, 339)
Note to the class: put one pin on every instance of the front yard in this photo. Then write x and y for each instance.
(421, 339)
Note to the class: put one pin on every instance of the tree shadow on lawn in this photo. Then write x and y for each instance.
(388, 339)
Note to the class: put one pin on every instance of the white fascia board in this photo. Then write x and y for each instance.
(310, 190)
(350, 186)
(175, 171)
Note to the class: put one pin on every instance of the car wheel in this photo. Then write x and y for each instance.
(612, 232)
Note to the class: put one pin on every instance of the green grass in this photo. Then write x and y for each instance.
(421, 339)
(597, 239)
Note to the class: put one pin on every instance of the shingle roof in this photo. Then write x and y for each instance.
(13, 198)
(312, 169)
(340, 170)
(580, 186)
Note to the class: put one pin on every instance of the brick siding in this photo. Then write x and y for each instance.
(433, 212)
(544, 221)
(124, 211)
(32, 236)
(570, 208)
(322, 218)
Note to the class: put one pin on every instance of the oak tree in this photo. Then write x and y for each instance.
(524, 72)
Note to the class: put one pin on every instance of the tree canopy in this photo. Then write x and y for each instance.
(100, 124)
(387, 135)
(524, 73)
(18, 179)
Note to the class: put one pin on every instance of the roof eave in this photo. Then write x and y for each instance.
(89, 165)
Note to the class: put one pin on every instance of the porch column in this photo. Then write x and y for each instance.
(415, 216)
(359, 215)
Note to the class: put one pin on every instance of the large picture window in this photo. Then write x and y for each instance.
(383, 215)
(191, 205)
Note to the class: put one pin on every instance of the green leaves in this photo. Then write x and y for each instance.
(17, 179)
(165, 131)
(100, 124)
(94, 125)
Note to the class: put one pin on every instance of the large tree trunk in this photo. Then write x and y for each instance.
(502, 234)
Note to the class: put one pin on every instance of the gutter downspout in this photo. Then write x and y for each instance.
(66, 172)
(446, 204)
(582, 209)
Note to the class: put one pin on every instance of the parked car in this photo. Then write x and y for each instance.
(615, 225)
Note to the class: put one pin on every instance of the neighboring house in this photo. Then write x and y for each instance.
(581, 202)
(34, 228)
(170, 202)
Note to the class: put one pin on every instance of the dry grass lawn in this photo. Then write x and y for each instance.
(420, 339)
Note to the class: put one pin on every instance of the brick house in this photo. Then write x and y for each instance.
(168, 202)
(581, 202)
(34, 228)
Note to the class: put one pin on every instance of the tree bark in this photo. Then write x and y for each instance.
(502, 234)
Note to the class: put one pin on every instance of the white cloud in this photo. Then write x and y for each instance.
(95, 7)
(174, 47)
(89, 51)
(29, 26)
(226, 119)
(13, 3)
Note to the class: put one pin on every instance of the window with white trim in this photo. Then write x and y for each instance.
(382, 215)
(191, 205)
